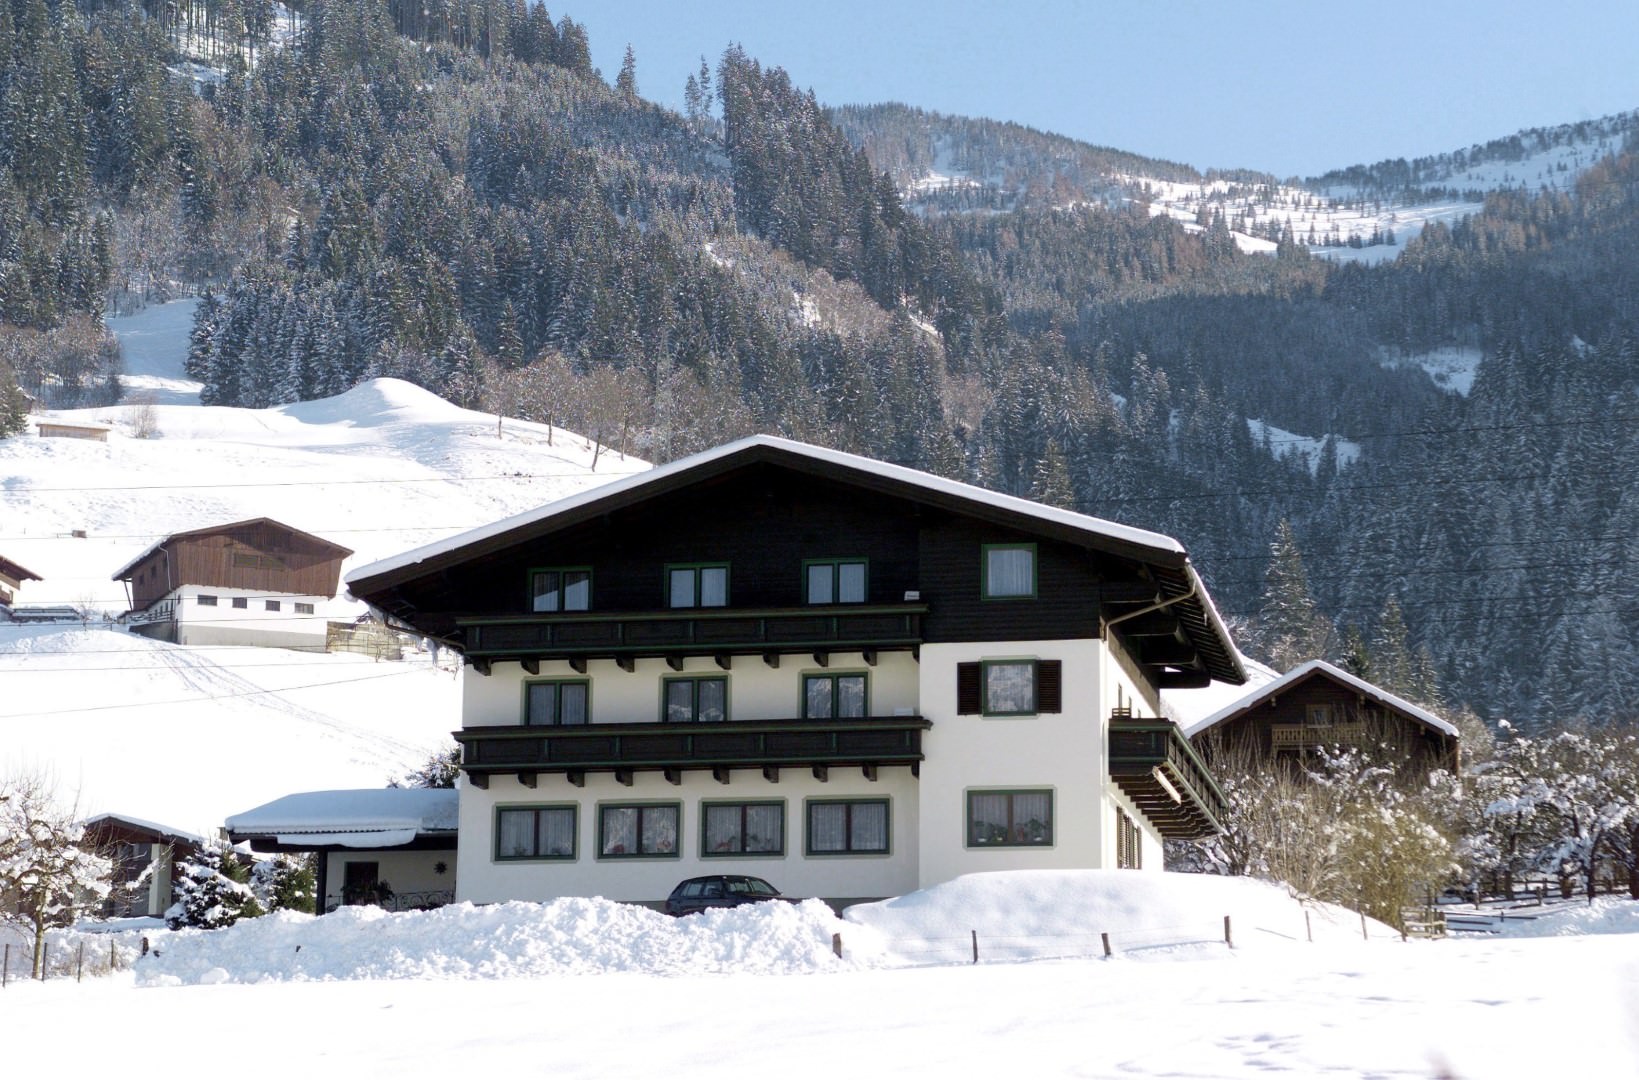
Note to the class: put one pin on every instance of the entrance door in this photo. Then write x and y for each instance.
(358, 882)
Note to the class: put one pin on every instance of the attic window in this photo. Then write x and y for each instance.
(1008, 571)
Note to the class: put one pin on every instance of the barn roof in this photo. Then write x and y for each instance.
(125, 571)
(1312, 670)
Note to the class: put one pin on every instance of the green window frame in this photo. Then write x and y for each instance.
(1000, 576)
(560, 588)
(847, 827)
(835, 695)
(537, 833)
(557, 702)
(691, 699)
(835, 581)
(755, 828)
(696, 585)
(640, 830)
(1015, 817)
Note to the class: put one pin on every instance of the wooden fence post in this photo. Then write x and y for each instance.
(1228, 937)
(1105, 937)
(975, 946)
(836, 945)
(45, 959)
(79, 963)
(1363, 935)
(111, 958)
(1308, 928)
(5, 966)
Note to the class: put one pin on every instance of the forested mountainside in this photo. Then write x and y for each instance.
(450, 194)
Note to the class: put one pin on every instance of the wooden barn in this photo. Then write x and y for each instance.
(255, 582)
(12, 576)
(1318, 705)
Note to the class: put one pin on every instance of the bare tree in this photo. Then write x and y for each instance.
(47, 874)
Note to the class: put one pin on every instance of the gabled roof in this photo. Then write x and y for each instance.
(1164, 555)
(16, 571)
(162, 833)
(1320, 669)
(355, 818)
(123, 572)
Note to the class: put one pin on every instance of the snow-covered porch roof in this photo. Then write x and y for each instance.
(367, 818)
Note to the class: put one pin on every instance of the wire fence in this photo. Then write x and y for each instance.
(69, 954)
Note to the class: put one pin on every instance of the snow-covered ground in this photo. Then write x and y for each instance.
(584, 988)
(1283, 443)
(1452, 367)
(187, 736)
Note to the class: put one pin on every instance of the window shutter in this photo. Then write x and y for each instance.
(968, 683)
(1049, 686)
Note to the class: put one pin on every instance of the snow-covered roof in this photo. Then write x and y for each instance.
(163, 831)
(361, 817)
(17, 571)
(658, 476)
(1337, 674)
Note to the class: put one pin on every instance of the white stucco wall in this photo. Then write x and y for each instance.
(483, 879)
(224, 624)
(1061, 752)
(405, 871)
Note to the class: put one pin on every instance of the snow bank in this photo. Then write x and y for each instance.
(569, 936)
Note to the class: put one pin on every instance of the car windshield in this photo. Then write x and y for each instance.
(752, 887)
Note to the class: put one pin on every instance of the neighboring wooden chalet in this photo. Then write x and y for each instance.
(12, 576)
(852, 678)
(394, 847)
(255, 582)
(1318, 705)
(145, 856)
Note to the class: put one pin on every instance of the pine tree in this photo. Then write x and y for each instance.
(1289, 628)
(213, 890)
(626, 81)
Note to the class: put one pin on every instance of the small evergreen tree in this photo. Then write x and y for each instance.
(214, 890)
(285, 883)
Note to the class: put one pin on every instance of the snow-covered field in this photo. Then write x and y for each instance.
(187, 736)
(589, 989)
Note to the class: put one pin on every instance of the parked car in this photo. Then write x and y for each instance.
(720, 891)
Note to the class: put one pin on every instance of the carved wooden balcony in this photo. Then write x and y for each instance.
(1160, 772)
(867, 742)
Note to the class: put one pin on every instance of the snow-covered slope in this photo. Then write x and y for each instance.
(187, 736)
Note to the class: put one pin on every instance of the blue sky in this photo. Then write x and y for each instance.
(1291, 88)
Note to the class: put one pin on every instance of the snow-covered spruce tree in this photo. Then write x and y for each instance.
(1289, 629)
(285, 883)
(214, 891)
(47, 876)
(438, 771)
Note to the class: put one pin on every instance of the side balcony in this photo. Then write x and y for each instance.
(1157, 769)
(867, 743)
(722, 632)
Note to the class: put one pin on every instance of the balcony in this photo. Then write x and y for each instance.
(867, 742)
(1315, 736)
(627, 636)
(1159, 771)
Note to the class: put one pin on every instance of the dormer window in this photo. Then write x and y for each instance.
(698, 585)
(1008, 571)
(834, 581)
(561, 589)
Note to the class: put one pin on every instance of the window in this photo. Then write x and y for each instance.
(1129, 843)
(535, 832)
(1008, 571)
(206, 600)
(688, 700)
(561, 589)
(272, 605)
(1009, 818)
(828, 697)
(1318, 715)
(1009, 687)
(848, 827)
(834, 581)
(636, 831)
(241, 602)
(557, 703)
(303, 609)
(753, 828)
(704, 585)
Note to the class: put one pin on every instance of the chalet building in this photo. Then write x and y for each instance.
(12, 576)
(852, 678)
(392, 847)
(1318, 705)
(144, 857)
(255, 582)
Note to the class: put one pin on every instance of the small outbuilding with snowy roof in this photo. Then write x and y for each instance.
(851, 677)
(1319, 705)
(394, 847)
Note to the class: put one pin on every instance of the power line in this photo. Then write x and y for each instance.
(204, 697)
(452, 479)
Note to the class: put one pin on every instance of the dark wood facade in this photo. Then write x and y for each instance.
(261, 555)
(136, 848)
(1317, 706)
(764, 511)
(12, 575)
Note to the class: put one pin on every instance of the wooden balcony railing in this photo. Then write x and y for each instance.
(1311, 736)
(583, 635)
(1156, 767)
(867, 742)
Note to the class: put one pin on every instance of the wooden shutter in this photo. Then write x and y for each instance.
(969, 689)
(1049, 686)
